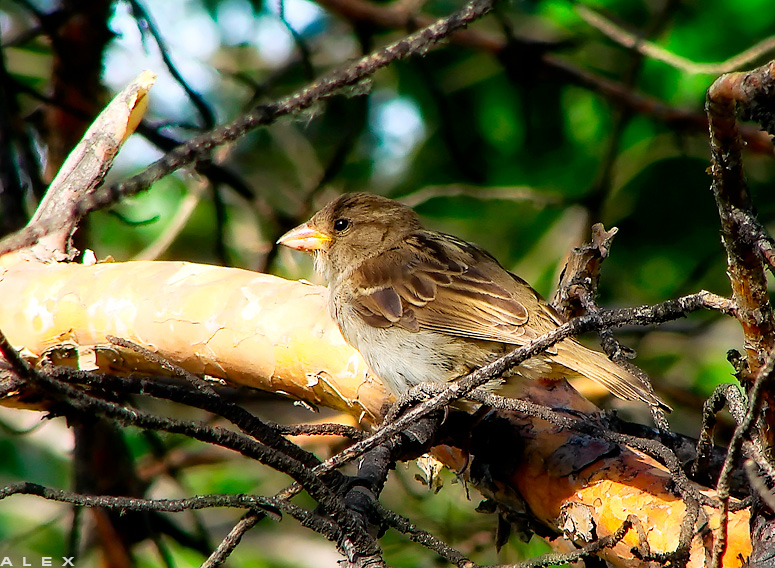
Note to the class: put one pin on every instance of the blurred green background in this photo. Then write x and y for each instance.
(510, 150)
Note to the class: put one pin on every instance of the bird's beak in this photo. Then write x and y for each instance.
(305, 238)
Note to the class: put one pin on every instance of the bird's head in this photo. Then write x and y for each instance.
(352, 228)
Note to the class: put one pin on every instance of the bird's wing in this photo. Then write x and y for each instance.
(440, 283)
(443, 284)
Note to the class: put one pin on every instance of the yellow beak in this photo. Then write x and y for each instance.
(305, 238)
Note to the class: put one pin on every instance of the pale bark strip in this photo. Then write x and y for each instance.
(266, 332)
(247, 328)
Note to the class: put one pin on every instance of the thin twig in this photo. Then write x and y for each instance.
(231, 540)
(301, 44)
(424, 538)
(240, 501)
(760, 484)
(141, 16)
(742, 432)
(264, 431)
(585, 552)
(199, 383)
(653, 51)
(506, 193)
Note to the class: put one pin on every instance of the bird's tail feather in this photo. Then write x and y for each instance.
(596, 366)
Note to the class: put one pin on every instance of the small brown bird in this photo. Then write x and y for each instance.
(422, 306)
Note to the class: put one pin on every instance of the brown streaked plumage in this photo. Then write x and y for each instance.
(424, 306)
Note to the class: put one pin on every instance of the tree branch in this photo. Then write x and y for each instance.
(201, 146)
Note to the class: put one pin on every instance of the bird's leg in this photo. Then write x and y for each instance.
(465, 442)
(418, 393)
(361, 492)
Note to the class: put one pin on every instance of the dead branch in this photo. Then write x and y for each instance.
(258, 325)
(581, 275)
(749, 95)
(85, 169)
(238, 347)
(200, 147)
(742, 433)
(746, 272)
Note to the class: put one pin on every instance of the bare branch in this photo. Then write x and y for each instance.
(653, 51)
(742, 432)
(201, 146)
(86, 167)
(744, 264)
(231, 540)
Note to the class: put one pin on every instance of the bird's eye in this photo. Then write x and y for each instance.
(341, 224)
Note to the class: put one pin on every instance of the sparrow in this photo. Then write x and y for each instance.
(422, 306)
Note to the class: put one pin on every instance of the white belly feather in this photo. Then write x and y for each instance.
(402, 359)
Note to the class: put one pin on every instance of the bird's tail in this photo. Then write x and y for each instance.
(596, 366)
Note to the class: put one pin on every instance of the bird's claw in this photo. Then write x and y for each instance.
(418, 393)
